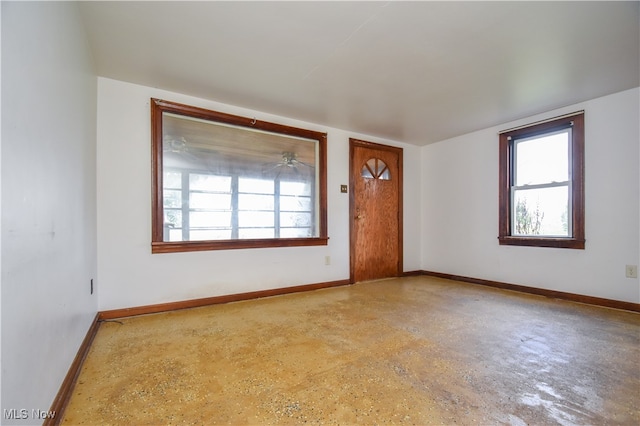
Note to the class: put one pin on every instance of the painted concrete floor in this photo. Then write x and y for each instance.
(415, 350)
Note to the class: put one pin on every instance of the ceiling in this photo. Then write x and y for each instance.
(415, 72)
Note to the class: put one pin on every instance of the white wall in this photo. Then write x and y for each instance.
(48, 200)
(0, 211)
(129, 275)
(460, 208)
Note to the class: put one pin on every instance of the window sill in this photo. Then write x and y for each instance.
(183, 246)
(570, 243)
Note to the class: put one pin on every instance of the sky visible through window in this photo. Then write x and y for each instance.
(541, 184)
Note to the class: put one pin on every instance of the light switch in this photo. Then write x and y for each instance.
(343, 189)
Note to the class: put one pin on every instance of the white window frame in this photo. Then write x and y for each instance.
(554, 184)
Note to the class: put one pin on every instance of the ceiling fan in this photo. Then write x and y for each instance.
(289, 163)
(181, 147)
(174, 145)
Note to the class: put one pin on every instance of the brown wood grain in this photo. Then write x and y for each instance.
(376, 214)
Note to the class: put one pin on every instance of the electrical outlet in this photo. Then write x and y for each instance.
(631, 271)
(327, 260)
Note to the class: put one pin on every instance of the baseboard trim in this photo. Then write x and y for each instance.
(412, 273)
(215, 300)
(590, 300)
(66, 388)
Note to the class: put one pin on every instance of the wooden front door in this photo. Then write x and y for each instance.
(376, 210)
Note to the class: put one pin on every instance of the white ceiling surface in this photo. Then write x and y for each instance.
(416, 72)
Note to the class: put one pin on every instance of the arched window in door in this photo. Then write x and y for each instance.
(375, 168)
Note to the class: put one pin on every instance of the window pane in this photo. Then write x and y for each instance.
(175, 234)
(172, 198)
(386, 175)
(366, 173)
(256, 186)
(295, 188)
(543, 159)
(541, 212)
(213, 183)
(204, 200)
(173, 217)
(255, 202)
(295, 219)
(256, 233)
(209, 234)
(295, 204)
(209, 219)
(172, 180)
(295, 232)
(253, 218)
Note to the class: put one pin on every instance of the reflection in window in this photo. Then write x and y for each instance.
(220, 179)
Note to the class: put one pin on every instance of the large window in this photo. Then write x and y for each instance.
(222, 181)
(542, 184)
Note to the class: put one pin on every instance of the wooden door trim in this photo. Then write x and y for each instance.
(353, 143)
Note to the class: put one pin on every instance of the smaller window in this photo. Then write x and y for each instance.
(542, 184)
(375, 168)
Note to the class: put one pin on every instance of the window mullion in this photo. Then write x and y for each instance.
(234, 208)
(276, 207)
(185, 206)
(542, 185)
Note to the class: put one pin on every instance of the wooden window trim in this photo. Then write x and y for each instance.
(577, 240)
(158, 107)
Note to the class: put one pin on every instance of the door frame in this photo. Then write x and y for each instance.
(353, 143)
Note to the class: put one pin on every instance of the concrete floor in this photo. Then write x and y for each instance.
(415, 350)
